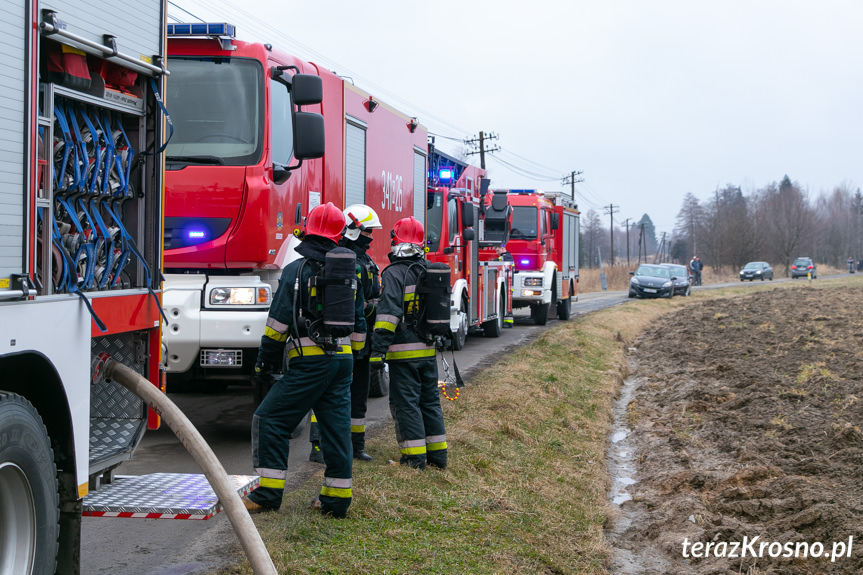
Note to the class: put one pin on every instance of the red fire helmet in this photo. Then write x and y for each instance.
(408, 230)
(326, 221)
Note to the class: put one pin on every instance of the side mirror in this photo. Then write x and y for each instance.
(632, 273)
(468, 235)
(308, 135)
(555, 220)
(448, 250)
(467, 215)
(306, 90)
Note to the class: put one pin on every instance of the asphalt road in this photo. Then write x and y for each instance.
(173, 547)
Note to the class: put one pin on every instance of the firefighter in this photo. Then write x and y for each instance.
(320, 366)
(401, 341)
(360, 220)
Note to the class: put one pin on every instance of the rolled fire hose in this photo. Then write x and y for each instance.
(215, 473)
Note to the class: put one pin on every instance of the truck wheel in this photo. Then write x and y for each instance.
(29, 502)
(494, 328)
(564, 307)
(539, 313)
(459, 337)
(379, 382)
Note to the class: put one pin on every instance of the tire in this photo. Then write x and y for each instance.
(564, 309)
(29, 500)
(379, 382)
(494, 327)
(459, 337)
(539, 313)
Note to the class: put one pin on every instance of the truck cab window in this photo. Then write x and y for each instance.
(217, 107)
(282, 127)
(523, 223)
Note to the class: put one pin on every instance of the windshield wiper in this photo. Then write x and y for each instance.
(215, 160)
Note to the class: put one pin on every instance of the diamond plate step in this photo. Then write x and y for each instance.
(162, 496)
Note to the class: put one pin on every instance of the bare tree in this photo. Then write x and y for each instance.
(592, 236)
(789, 219)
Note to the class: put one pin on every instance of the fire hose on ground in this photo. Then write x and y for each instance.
(215, 473)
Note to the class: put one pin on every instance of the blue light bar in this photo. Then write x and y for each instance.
(220, 30)
(525, 262)
(197, 234)
(445, 174)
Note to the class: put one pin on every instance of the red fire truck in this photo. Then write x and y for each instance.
(80, 257)
(544, 244)
(231, 202)
(463, 226)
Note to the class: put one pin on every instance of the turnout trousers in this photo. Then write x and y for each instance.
(359, 406)
(416, 410)
(322, 383)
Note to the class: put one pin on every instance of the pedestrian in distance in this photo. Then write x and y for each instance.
(695, 267)
(850, 263)
(405, 345)
(360, 221)
(313, 312)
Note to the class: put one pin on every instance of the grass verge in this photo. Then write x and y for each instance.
(526, 489)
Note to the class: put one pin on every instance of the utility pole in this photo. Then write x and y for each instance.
(627, 241)
(611, 209)
(480, 143)
(571, 180)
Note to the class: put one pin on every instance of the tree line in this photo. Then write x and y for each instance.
(776, 223)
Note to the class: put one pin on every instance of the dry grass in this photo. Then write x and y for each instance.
(526, 488)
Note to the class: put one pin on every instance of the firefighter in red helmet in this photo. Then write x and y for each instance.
(360, 221)
(310, 311)
(400, 341)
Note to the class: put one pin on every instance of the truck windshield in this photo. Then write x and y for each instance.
(217, 108)
(523, 223)
(434, 218)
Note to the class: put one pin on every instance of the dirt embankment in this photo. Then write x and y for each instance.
(748, 422)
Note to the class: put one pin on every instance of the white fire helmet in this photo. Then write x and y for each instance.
(360, 217)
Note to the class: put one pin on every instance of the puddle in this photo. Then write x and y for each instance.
(627, 560)
(621, 464)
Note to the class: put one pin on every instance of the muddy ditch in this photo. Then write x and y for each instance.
(738, 445)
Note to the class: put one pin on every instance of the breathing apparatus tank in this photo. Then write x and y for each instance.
(433, 285)
(339, 290)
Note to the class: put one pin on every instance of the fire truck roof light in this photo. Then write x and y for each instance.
(203, 29)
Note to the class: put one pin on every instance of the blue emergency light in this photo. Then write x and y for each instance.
(197, 234)
(445, 174)
(203, 29)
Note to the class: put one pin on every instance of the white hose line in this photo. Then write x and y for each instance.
(243, 525)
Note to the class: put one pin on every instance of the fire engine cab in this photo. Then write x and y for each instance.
(235, 190)
(544, 245)
(463, 226)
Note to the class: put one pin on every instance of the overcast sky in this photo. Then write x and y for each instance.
(650, 99)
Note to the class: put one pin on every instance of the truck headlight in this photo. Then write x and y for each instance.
(533, 282)
(531, 292)
(240, 295)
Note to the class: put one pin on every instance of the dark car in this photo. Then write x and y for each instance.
(756, 271)
(802, 267)
(651, 280)
(681, 278)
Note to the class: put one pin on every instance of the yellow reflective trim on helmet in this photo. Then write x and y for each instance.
(336, 492)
